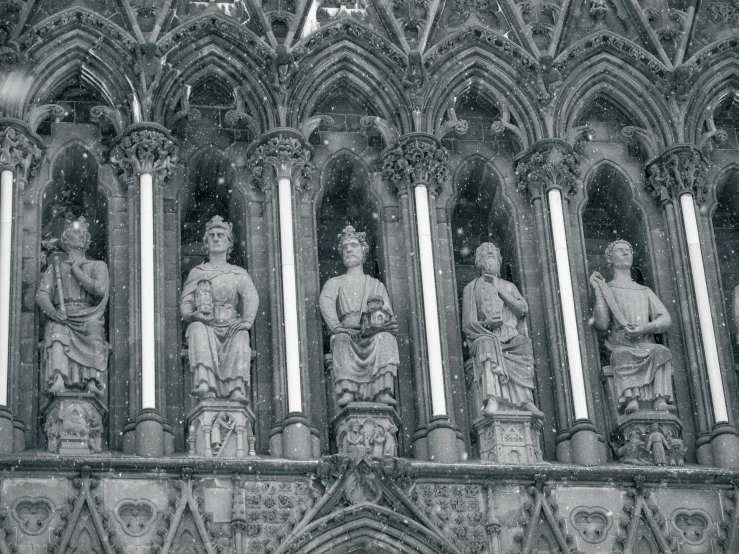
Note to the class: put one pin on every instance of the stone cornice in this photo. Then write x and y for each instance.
(546, 165)
(680, 169)
(281, 153)
(415, 159)
(145, 148)
(20, 149)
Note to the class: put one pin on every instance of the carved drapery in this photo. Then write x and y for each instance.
(678, 170)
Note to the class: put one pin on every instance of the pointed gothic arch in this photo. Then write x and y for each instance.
(710, 89)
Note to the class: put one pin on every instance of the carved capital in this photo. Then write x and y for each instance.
(20, 149)
(281, 154)
(416, 159)
(548, 164)
(145, 148)
(681, 169)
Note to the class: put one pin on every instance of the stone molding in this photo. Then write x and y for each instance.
(145, 148)
(415, 159)
(680, 169)
(282, 153)
(548, 164)
(20, 149)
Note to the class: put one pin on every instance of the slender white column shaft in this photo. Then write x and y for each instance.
(148, 314)
(430, 308)
(708, 337)
(289, 297)
(6, 228)
(569, 316)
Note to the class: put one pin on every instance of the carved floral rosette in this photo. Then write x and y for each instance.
(366, 429)
(678, 170)
(286, 153)
(74, 423)
(145, 148)
(415, 158)
(548, 164)
(509, 437)
(20, 149)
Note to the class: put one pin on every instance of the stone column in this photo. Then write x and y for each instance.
(678, 178)
(279, 161)
(417, 163)
(548, 169)
(145, 155)
(20, 156)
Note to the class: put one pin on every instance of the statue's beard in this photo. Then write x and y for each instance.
(352, 261)
(490, 266)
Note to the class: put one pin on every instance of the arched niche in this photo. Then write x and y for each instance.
(346, 201)
(210, 191)
(480, 214)
(725, 220)
(347, 106)
(610, 213)
(77, 97)
(608, 118)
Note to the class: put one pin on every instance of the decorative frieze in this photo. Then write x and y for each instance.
(416, 158)
(678, 170)
(285, 153)
(145, 148)
(548, 164)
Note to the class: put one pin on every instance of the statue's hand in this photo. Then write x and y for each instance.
(633, 331)
(353, 333)
(237, 326)
(201, 317)
(391, 326)
(59, 317)
(596, 279)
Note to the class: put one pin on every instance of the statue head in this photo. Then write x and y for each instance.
(216, 230)
(76, 235)
(352, 246)
(488, 259)
(620, 254)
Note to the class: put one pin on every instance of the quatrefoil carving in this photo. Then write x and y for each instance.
(33, 515)
(693, 525)
(593, 523)
(135, 516)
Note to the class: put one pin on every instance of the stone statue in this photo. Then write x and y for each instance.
(493, 313)
(632, 314)
(219, 302)
(73, 294)
(357, 312)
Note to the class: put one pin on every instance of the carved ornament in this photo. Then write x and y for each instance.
(548, 164)
(681, 169)
(286, 153)
(19, 149)
(416, 159)
(145, 148)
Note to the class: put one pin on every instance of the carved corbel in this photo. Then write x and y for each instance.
(415, 159)
(281, 154)
(111, 115)
(504, 124)
(313, 123)
(387, 130)
(548, 164)
(145, 148)
(678, 170)
(37, 114)
(644, 137)
(459, 126)
(238, 118)
(581, 133)
(185, 111)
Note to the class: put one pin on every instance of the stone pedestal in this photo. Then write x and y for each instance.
(74, 423)
(636, 440)
(509, 437)
(219, 428)
(366, 429)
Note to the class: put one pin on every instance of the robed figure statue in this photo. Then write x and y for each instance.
(219, 301)
(493, 313)
(631, 314)
(73, 294)
(358, 314)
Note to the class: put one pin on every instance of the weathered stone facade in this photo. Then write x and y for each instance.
(548, 129)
